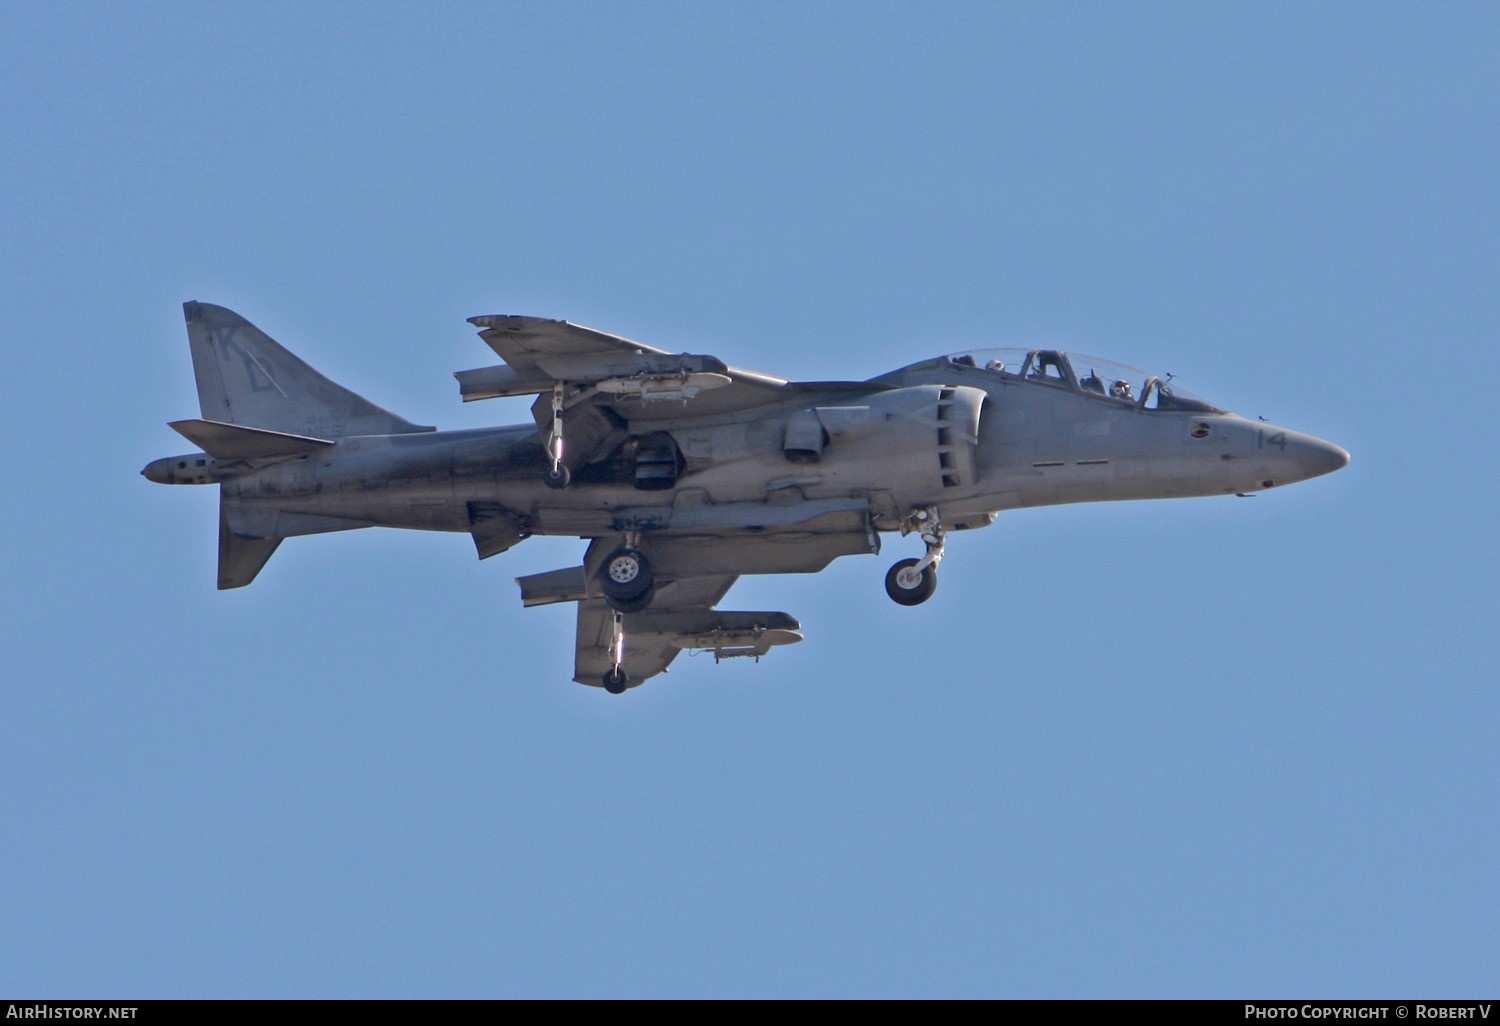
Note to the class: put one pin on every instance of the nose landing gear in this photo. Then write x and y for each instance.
(912, 581)
(908, 583)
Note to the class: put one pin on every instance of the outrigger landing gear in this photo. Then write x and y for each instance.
(616, 680)
(912, 581)
(557, 474)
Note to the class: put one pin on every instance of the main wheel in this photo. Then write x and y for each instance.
(625, 573)
(558, 478)
(635, 605)
(616, 681)
(907, 588)
(625, 577)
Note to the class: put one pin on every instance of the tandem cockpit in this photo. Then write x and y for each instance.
(1089, 375)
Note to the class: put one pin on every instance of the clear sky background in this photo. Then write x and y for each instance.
(1214, 747)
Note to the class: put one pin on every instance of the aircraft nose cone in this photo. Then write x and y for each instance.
(1314, 457)
(1292, 456)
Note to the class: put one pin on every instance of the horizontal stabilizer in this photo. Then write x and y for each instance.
(234, 442)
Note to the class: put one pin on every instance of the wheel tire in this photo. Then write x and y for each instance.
(904, 596)
(635, 605)
(558, 478)
(616, 681)
(625, 575)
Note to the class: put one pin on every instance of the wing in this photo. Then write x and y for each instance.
(682, 617)
(606, 387)
(633, 379)
(645, 655)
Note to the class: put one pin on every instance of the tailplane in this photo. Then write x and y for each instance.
(246, 378)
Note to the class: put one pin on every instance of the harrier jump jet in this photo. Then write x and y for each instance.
(684, 473)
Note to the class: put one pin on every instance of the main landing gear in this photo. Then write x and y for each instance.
(628, 585)
(912, 581)
(626, 580)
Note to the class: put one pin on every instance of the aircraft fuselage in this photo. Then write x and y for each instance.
(1036, 445)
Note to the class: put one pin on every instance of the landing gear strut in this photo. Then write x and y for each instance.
(557, 474)
(616, 680)
(912, 581)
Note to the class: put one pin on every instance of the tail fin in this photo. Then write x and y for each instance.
(246, 378)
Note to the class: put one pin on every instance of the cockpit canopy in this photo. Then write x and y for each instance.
(1088, 374)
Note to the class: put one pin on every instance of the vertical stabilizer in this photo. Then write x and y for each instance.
(245, 377)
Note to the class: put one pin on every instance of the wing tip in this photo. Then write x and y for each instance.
(511, 322)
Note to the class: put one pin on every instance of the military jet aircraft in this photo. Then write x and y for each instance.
(684, 472)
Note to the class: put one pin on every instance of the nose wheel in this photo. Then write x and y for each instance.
(912, 581)
(910, 584)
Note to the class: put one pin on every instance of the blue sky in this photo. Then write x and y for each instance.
(1215, 747)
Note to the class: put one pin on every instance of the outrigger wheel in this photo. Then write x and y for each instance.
(616, 681)
(908, 586)
(627, 581)
(557, 474)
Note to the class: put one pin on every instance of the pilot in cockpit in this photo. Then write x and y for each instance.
(1121, 390)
